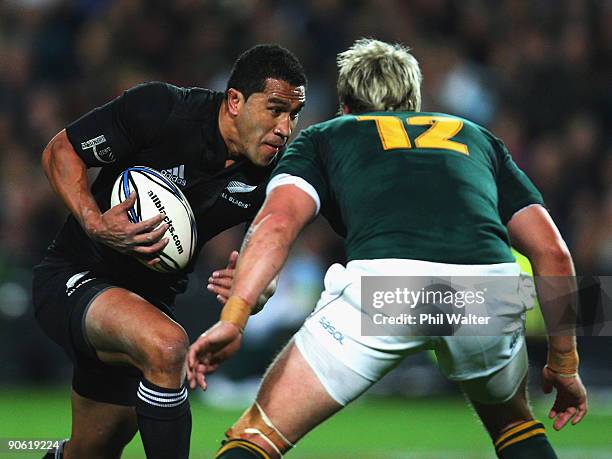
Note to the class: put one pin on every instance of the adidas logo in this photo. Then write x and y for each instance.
(239, 187)
(176, 175)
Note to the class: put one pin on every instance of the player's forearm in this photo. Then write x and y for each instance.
(555, 281)
(533, 232)
(286, 211)
(67, 175)
(269, 240)
(554, 260)
(557, 292)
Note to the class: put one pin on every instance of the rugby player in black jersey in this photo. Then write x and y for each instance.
(110, 313)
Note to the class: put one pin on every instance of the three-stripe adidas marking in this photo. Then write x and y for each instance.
(176, 174)
(161, 399)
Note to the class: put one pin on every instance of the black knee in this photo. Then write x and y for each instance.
(164, 350)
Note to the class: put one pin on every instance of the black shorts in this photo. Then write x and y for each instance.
(62, 294)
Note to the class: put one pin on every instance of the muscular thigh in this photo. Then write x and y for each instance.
(101, 327)
(85, 313)
(120, 325)
(62, 294)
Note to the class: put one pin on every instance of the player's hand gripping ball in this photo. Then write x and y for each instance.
(158, 195)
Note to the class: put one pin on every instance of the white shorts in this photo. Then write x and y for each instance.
(347, 363)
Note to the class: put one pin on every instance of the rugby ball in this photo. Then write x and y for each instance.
(156, 194)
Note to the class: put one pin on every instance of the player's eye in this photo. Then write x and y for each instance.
(295, 114)
(276, 111)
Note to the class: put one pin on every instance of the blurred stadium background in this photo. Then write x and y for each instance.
(537, 73)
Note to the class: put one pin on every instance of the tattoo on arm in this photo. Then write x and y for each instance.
(247, 238)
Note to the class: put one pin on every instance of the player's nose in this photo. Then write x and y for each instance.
(283, 127)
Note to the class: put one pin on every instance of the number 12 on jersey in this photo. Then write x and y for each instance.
(441, 129)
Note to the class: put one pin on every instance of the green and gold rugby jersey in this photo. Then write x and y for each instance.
(412, 185)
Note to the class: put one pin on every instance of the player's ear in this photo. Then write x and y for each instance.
(345, 109)
(235, 101)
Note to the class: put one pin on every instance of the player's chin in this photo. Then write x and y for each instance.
(266, 154)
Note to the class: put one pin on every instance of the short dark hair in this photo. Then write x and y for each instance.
(261, 62)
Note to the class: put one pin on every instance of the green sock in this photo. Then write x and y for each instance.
(525, 441)
(241, 449)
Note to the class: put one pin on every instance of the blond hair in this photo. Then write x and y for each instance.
(377, 76)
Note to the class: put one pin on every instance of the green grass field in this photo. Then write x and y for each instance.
(369, 429)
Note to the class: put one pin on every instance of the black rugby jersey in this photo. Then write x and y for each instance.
(174, 130)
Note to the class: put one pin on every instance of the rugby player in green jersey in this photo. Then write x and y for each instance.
(413, 194)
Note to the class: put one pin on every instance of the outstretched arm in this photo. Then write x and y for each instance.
(267, 243)
(533, 232)
(285, 212)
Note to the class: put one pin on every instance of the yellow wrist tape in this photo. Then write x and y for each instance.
(236, 311)
(563, 363)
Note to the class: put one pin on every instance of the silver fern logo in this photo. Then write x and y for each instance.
(239, 187)
(76, 281)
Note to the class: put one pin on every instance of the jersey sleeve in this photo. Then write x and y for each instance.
(303, 159)
(123, 126)
(515, 190)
